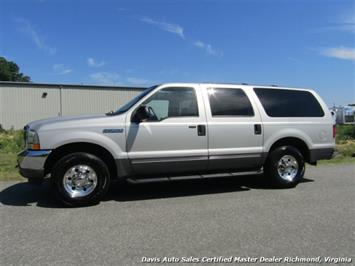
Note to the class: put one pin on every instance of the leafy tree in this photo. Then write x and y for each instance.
(9, 71)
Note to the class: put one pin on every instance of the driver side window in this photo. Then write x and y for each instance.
(173, 102)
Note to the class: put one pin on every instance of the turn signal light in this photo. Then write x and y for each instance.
(36, 146)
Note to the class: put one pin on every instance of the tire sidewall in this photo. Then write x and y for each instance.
(102, 172)
(272, 165)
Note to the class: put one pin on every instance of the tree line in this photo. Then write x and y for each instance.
(10, 71)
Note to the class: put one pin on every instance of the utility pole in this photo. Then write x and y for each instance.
(60, 101)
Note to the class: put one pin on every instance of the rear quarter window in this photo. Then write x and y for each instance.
(289, 103)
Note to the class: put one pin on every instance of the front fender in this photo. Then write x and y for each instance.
(53, 141)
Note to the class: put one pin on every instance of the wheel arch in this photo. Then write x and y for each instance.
(298, 143)
(88, 147)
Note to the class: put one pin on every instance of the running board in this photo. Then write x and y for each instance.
(189, 177)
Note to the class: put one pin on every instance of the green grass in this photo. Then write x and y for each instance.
(7, 167)
(11, 142)
(337, 160)
(343, 153)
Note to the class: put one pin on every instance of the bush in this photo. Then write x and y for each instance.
(345, 132)
(346, 148)
(11, 141)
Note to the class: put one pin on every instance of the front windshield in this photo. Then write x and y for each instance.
(124, 108)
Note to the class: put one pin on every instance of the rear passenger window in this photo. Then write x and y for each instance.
(289, 103)
(229, 102)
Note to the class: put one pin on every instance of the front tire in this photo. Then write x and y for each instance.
(285, 167)
(80, 179)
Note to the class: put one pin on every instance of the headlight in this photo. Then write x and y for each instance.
(32, 140)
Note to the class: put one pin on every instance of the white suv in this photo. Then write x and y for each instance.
(181, 129)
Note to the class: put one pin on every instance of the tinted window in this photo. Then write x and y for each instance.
(289, 103)
(229, 102)
(133, 101)
(173, 102)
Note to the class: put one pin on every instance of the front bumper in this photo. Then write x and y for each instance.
(31, 163)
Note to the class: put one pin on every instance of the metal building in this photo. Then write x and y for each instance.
(344, 114)
(21, 103)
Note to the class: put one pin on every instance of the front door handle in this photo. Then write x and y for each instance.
(201, 130)
(257, 129)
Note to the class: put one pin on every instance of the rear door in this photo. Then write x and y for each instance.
(235, 134)
(176, 142)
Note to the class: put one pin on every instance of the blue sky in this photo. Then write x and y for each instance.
(140, 43)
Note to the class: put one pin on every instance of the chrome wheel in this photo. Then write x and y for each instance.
(287, 167)
(79, 181)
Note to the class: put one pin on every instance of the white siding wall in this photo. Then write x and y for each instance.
(93, 101)
(21, 103)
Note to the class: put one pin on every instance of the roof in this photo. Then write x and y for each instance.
(244, 85)
(51, 85)
(239, 84)
(58, 85)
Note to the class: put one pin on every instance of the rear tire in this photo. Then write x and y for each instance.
(80, 179)
(285, 167)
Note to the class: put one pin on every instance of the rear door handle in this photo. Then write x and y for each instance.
(257, 129)
(201, 130)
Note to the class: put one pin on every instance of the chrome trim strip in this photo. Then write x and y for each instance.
(34, 153)
(235, 156)
(169, 159)
(195, 158)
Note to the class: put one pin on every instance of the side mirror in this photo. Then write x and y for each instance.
(141, 114)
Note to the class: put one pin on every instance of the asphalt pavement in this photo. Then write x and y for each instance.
(215, 218)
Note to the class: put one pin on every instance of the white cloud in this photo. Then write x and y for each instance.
(61, 69)
(199, 44)
(178, 30)
(93, 63)
(113, 78)
(169, 27)
(340, 53)
(208, 48)
(28, 29)
(344, 22)
(137, 81)
(106, 78)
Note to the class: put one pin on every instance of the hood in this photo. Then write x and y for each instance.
(54, 122)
